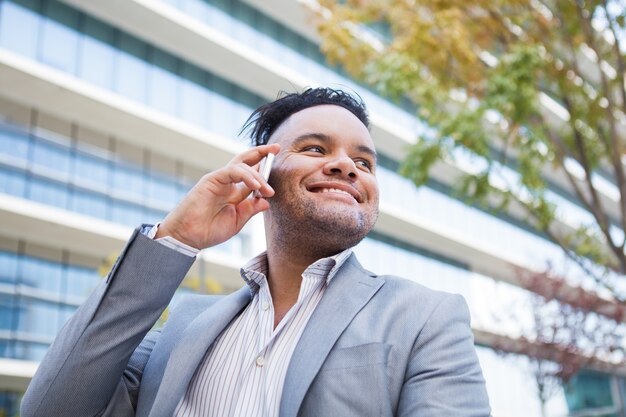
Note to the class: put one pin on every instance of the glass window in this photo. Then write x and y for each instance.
(65, 312)
(80, 281)
(182, 190)
(12, 182)
(5, 352)
(232, 246)
(41, 274)
(59, 46)
(218, 19)
(97, 30)
(7, 311)
(130, 77)
(96, 62)
(164, 60)
(244, 26)
(29, 351)
(162, 189)
(221, 115)
(163, 90)
(61, 13)
(196, 8)
(240, 115)
(97, 55)
(14, 144)
(269, 44)
(127, 214)
(9, 403)
(91, 169)
(153, 216)
(90, 204)
(131, 73)
(19, 29)
(588, 390)
(40, 318)
(52, 156)
(8, 268)
(194, 103)
(427, 269)
(128, 179)
(48, 192)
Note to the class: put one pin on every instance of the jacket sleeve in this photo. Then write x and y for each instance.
(443, 376)
(94, 366)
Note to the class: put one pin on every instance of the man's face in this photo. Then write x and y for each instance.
(324, 177)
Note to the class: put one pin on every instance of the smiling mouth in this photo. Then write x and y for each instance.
(324, 190)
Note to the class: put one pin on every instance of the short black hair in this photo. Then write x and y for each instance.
(264, 121)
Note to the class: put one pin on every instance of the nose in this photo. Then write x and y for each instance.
(341, 166)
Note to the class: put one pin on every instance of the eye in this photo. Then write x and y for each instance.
(313, 148)
(367, 165)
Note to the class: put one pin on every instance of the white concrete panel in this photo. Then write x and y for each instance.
(194, 41)
(83, 235)
(35, 85)
(294, 14)
(16, 374)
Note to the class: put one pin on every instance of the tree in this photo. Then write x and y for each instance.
(478, 73)
(534, 91)
(560, 339)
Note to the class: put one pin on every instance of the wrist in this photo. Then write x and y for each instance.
(164, 231)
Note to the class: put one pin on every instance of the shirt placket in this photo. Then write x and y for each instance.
(266, 319)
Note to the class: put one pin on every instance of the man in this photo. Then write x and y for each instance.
(311, 334)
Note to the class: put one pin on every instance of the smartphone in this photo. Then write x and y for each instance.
(265, 167)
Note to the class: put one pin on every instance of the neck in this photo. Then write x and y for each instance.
(285, 268)
(286, 263)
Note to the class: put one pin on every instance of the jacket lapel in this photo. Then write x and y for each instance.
(345, 296)
(190, 350)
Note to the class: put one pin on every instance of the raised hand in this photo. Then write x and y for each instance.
(220, 204)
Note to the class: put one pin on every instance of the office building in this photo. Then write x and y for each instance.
(111, 110)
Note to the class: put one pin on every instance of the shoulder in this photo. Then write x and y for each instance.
(430, 302)
(406, 291)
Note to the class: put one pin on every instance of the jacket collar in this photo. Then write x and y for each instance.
(346, 295)
(190, 350)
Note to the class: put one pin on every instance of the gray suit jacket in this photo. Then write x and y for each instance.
(375, 346)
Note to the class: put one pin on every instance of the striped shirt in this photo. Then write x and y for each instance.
(243, 372)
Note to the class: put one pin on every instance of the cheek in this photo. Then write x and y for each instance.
(280, 180)
(292, 171)
(373, 191)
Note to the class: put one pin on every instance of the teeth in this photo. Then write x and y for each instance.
(334, 190)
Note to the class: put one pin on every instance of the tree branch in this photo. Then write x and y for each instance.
(617, 153)
(621, 66)
(614, 151)
(561, 155)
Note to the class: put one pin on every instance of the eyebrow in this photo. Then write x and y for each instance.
(322, 137)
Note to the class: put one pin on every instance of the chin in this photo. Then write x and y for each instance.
(340, 231)
(321, 229)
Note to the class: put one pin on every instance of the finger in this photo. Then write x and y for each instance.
(249, 207)
(253, 179)
(247, 180)
(239, 173)
(254, 155)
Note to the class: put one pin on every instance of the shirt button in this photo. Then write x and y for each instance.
(265, 306)
(260, 361)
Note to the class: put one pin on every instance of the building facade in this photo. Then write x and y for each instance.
(110, 111)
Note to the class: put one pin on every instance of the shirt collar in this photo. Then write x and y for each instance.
(256, 269)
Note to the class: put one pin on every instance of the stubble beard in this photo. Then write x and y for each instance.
(318, 229)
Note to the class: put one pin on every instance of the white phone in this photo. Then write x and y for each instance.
(265, 167)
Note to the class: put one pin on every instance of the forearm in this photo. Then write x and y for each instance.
(85, 364)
